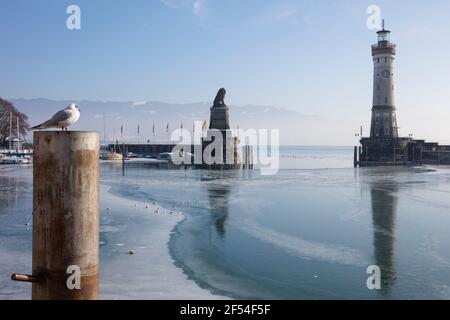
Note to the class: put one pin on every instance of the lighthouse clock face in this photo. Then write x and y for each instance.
(386, 74)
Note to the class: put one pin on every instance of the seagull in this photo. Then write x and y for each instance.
(62, 119)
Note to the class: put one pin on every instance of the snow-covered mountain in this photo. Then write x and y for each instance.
(295, 128)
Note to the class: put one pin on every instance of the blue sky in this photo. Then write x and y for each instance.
(309, 56)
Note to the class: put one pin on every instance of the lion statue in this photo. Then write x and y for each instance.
(220, 97)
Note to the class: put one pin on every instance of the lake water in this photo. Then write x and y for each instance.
(308, 232)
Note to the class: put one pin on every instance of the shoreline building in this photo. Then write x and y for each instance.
(214, 156)
(385, 146)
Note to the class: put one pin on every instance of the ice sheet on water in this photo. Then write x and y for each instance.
(135, 225)
(304, 248)
(345, 200)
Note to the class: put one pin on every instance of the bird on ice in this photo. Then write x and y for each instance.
(62, 119)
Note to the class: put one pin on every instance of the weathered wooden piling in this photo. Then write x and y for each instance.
(65, 216)
(247, 157)
(360, 153)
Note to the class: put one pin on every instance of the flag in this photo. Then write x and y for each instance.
(138, 129)
(167, 129)
(121, 129)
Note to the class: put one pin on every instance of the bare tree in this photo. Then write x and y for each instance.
(6, 108)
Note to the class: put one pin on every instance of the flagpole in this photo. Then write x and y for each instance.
(181, 132)
(154, 133)
(203, 128)
(104, 128)
(10, 130)
(18, 136)
(167, 131)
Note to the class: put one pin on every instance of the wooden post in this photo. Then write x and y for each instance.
(252, 161)
(394, 155)
(65, 215)
(355, 157)
(245, 161)
(359, 153)
(244, 158)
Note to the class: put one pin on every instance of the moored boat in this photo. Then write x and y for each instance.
(111, 156)
(15, 160)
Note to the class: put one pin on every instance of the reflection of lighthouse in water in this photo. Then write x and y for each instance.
(384, 212)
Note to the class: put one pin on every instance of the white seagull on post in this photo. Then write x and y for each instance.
(62, 119)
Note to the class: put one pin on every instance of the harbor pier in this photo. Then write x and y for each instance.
(219, 149)
(402, 152)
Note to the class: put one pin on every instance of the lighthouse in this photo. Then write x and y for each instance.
(384, 120)
(384, 147)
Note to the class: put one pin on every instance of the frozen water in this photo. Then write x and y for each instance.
(306, 233)
(150, 273)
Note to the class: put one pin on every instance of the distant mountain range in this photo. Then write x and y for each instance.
(295, 128)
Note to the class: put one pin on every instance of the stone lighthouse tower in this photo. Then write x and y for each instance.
(384, 146)
(384, 120)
